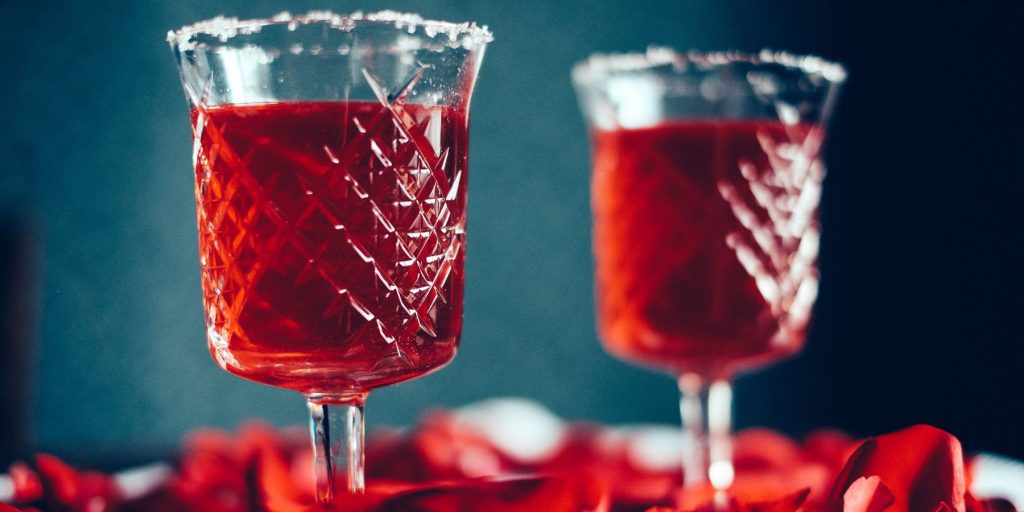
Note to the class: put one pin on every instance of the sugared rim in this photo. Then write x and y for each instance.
(224, 28)
(600, 65)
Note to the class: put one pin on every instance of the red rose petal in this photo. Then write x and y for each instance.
(63, 480)
(549, 494)
(97, 492)
(749, 488)
(788, 503)
(867, 494)
(262, 469)
(760, 448)
(830, 447)
(273, 486)
(27, 486)
(921, 466)
(612, 458)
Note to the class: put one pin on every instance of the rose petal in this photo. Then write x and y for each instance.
(830, 447)
(27, 486)
(271, 484)
(749, 488)
(921, 466)
(62, 480)
(867, 494)
(791, 502)
(550, 494)
(761, 448)
(260, 468)
(788, 503)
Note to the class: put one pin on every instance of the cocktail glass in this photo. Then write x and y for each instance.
(705, 189)
(330, 156)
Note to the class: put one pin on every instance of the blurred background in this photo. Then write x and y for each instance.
(103, 354)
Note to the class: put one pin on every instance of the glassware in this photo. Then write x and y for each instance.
(705, 189)
(330, 154)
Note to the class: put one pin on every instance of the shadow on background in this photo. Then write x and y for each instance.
(18, 313)
(917, 319)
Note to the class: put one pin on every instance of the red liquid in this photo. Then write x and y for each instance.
(331, 238)
(682, 283)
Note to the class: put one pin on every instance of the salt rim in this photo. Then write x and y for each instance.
(224, 28)
(599, 65)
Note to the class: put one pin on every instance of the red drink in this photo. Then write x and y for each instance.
(331, 239)
(706, 242)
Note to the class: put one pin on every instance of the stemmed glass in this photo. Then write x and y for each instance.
(330, 157)
(705, 189)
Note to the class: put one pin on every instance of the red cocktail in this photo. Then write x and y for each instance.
(706, 183)
(331, 240)
(330, 160)
(682, 282)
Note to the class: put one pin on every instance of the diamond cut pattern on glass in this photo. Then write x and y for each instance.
(778, 245)
(394, 209)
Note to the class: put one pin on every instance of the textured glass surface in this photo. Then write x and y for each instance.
(330, 156)
(335, 263)
(706, 183)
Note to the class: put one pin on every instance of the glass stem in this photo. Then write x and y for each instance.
(337, 427)
(706, 408)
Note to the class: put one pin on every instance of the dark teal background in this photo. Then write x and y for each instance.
(918, 317)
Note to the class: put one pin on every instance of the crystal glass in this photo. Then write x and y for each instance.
(705, 189)
(330, 157)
